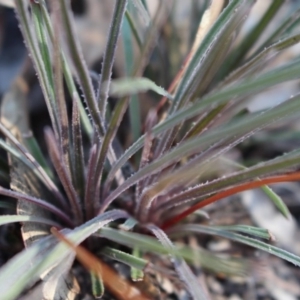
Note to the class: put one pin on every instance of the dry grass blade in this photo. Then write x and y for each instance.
(208, 19)
(118, 286)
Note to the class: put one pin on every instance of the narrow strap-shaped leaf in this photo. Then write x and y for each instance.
(58, 283)
(229, 192)
(190, 170)
(136, 274)
(276, 165)
(277, 201)
(106, 144)
(27, 266)
(150, 122)
(250, 67)
(63, 175)
(280, 30)
(80, 66)
(6, 219)
(25, 157)
(191, 72)
(251, 230)
(90, 203)
(246, 126)
(202, 69)
(128, 259)
(134, 105)
(258, 61)
(43, 44)
(78, 155)
(151, 244)
(97, 285)
(123, 103)
(23, 14)
(141, 7)
(117, 285)
(35, 150)
(109, 55)
(193, 228)
(28, 160)
(62, 115)
(128, 224)
(243, 88)
(40, 31)
(275, 198)
(67, 73)
(185, 273)
(140, 65)
(38, 202)
(133, 28)
(251, 38)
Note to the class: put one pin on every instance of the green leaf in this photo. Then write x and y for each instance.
(186, 275)
(233, 131)
(32, 40)
(128, 86)
(97, 285)
(251, 230)
(258, 62)
(81, 68)
(276, 199)
(109, 55)
(68, 74)
(26, 267)
(16, 218)
(136, 274)
(35, 150)
(131, 260)
(193, 228)
(134, 105)
(78, 154)
(193, 256)
(142, 11)
(282, 29)
(227, 16)
(128, 224)
(133, 28)
(281, 163)
(246, 87)
(251, 38)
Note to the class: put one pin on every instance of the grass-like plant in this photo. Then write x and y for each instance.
(85, 204)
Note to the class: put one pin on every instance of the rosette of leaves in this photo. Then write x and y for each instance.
(88, 198)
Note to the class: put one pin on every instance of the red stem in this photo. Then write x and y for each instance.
(237, 189)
